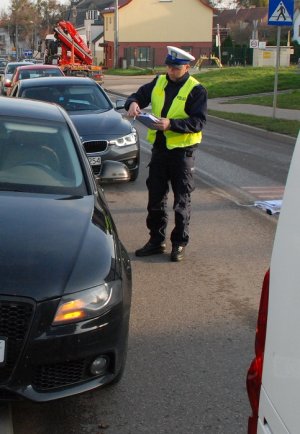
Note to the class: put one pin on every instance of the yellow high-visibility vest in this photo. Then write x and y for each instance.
(176, 111)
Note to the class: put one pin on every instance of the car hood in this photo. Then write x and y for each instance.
(101, 126)
(50, 247)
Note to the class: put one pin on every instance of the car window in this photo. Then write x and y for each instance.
(11, 69)
(70, 97)
(36, 73)
(39, 157)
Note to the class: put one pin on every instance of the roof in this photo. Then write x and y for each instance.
(28, 108)
(44, 81)
(37, 66)
(87, 5)
(246, 15)
(98, 37)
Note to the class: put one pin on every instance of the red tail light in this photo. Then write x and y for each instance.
(254, 375)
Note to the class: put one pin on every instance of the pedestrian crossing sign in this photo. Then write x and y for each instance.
(281, 12)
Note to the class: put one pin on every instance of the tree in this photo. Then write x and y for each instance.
(19, 15)
(228, 4)
(50, 12)
(223, 4)
(31, 20)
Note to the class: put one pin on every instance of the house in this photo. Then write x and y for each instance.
(248, 21)
(144, 29)
(86, 18)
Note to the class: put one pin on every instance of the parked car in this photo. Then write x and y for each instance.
(8, 73)
(65, 276)
(273, 380)
(105, 134)
(33, 71)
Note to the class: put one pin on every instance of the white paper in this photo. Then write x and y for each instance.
(270, 206)
(147, 119)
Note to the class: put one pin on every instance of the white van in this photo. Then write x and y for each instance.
(273, 380)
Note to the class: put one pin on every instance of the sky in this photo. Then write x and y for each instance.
(5, 3)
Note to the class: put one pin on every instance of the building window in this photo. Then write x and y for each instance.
(143, 54)
(188, 49)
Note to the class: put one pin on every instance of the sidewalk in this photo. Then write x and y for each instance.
(124, 86)
(223, 104)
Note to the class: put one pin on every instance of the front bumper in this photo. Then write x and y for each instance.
(44, 363)
(129, 155)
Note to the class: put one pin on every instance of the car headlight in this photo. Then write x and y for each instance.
(130, 139)
(88, 304)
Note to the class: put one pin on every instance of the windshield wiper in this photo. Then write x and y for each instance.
(70, 197)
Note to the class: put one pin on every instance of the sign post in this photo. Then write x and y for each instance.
(280, 14)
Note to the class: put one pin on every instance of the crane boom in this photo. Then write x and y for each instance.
(67, 49)
(70, 39)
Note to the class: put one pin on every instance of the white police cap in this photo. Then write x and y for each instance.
(178, 57)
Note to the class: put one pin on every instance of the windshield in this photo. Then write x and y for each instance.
(38, 72)
(12, 67)
(39, 156)
(70, 97)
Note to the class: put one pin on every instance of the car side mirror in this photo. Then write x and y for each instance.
(113, 171)
(120, 104)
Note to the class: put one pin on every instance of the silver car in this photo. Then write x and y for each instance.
(8, 73)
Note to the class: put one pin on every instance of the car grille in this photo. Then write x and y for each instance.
(59, 374)
(15, 319)
(95, 146)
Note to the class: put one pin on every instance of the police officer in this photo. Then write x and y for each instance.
(180, 103)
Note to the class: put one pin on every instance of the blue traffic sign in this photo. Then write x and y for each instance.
(281, 12)
(27, 52)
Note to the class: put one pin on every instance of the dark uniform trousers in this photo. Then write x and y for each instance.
(174, 166)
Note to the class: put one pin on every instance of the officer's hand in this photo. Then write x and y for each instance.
(162, 125)
(134, 109)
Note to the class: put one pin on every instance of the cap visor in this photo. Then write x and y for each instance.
(174, 65)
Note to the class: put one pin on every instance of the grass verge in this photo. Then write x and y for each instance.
(242, 81)
(289, 100)
(282, 126)
(247, 80)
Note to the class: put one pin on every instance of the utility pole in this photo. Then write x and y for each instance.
(116, 44)
(276, 71)
(17, 41)
(218, 41)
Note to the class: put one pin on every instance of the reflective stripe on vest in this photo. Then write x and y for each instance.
(176, 111)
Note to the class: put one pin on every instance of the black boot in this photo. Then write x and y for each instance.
(151, 249)
(177, 253)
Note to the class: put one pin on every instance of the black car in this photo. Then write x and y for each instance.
(105, 134)
(65, 277)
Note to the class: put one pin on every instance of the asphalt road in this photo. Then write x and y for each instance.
(192, 323)
(192, 327)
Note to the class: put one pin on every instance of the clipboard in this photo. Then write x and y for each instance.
(147, 119)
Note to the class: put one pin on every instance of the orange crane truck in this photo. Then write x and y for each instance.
(67, 49)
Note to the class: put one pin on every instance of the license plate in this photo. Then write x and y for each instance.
(95, 161)
(2, 350)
